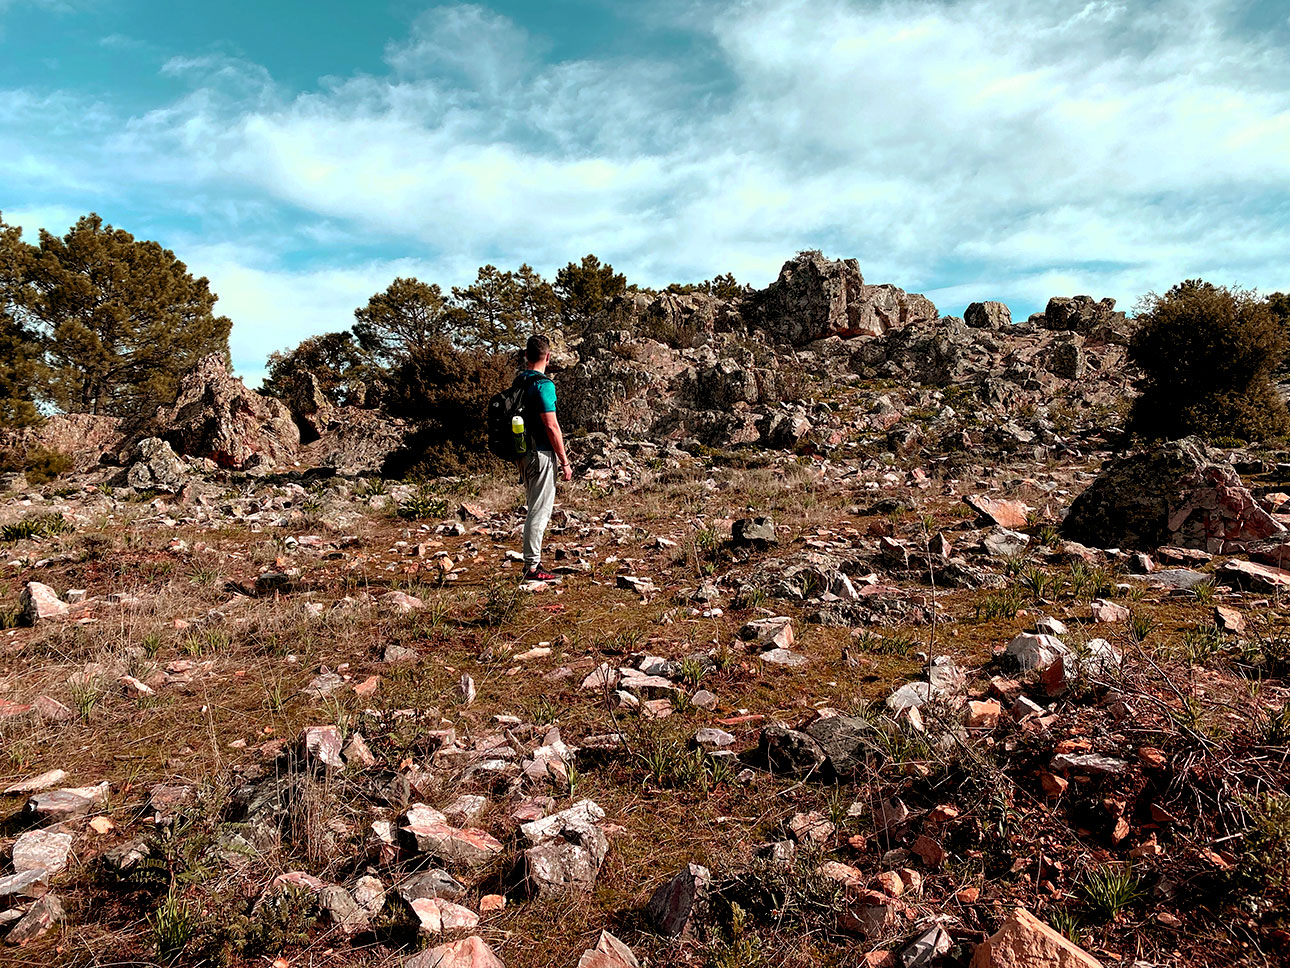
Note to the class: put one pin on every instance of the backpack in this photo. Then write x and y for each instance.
(509, 403)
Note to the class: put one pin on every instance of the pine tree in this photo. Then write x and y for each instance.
(539, 306)
(121, 319)
(335, 359)
(407, 317)
(19, 348)
(490, 309)
(584, 289)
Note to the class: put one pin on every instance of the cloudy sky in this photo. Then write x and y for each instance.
(302, 154)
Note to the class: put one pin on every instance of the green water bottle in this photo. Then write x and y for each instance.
(517, 428)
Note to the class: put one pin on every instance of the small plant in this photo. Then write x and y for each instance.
(1047, 536)
(206, 578)
(750, 598)
(42, 526)
(1141, 625)
(1089, 582)
(10, 618)
(1039, 583)
(423, 504)
(151, 643)
(545, 711)
(371, 486)
(85, 696)
(1202, 643)
(1275, 728)
(1066, 921)
(1004, 603)
(1110, 889)
(1205, 592)
(501, 602)
(723, 658)
(173, 924)
(691, 671)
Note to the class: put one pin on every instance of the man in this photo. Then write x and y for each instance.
(545, 451)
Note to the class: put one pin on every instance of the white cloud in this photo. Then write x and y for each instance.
(979, 148)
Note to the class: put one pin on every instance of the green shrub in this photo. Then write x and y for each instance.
(1207, 354)
(40, 464)
(445, 391)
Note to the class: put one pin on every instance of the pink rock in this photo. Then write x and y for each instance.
(467, 953)
(1013, 515)
(609, 952)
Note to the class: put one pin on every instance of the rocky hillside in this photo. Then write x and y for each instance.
(871, 647)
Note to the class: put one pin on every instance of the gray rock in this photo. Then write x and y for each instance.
(789, 751)
(342, 910)
(157, 467)
(428, 883)
(1036, 652)
(568, 849)
(754, 532)
(1002, 543)
(988, 315)
(677, 907)
(28, 883)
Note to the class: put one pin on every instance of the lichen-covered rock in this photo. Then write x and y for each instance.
(158, 466)
(1176, 494)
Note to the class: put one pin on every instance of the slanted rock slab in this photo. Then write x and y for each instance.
(676, 907)
(466, 953)
(1026, 942)
(609, 952)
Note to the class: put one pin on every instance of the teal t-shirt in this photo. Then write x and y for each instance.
(540, 399)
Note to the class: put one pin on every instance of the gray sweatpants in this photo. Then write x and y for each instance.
(537, 469)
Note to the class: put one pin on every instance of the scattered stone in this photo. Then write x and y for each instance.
(1087, 763)
(37, 784)
(754, 532)
(567, 849)
(925, 949)
(1229, 619)
(1024, 940)
(40, 603)
(66, 804)
(789, 751)
(29, 883)
(45, 850)
(323, 744)
(467, 953)
(40, 917)
(356, 753)
(403, 603)
(1252, 575)
(343, 911)
(678, 906)
(468, 848)
(929, 851)
(609, 952)
(1002, 543)
(811, 827)
(1009, 515)
(982, 715)
(369, 895)
(769, 633)
(1034, 653)
(1104, 611)
(429, 883)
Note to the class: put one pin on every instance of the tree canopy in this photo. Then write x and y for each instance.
(340, 365)
(115, 321)
(406, 317)
(1207, 354)
(584, 288)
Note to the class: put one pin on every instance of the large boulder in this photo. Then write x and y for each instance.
(815, 298)
(1084, 314)
(1176, 494)
(85, 437)
(988, 315)
(215, 416)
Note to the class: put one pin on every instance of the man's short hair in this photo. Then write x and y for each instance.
(538, 347)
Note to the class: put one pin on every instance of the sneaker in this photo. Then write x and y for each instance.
(537, 574)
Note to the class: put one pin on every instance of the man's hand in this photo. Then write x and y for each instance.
(566, 471)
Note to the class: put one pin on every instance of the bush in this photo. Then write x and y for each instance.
(1207, 354)
(40, 464)
(445, 391)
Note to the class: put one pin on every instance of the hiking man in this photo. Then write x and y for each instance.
(546, 448)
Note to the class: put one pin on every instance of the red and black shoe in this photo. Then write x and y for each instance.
(537, 574)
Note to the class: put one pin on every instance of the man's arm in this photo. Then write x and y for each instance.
(557, 443)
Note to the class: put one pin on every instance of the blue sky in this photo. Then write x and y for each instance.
(301, 155)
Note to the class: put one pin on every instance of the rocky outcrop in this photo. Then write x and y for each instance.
(1096, 319)
(815, 298)
(215, 416)
(1177, 494)
(85, 437)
